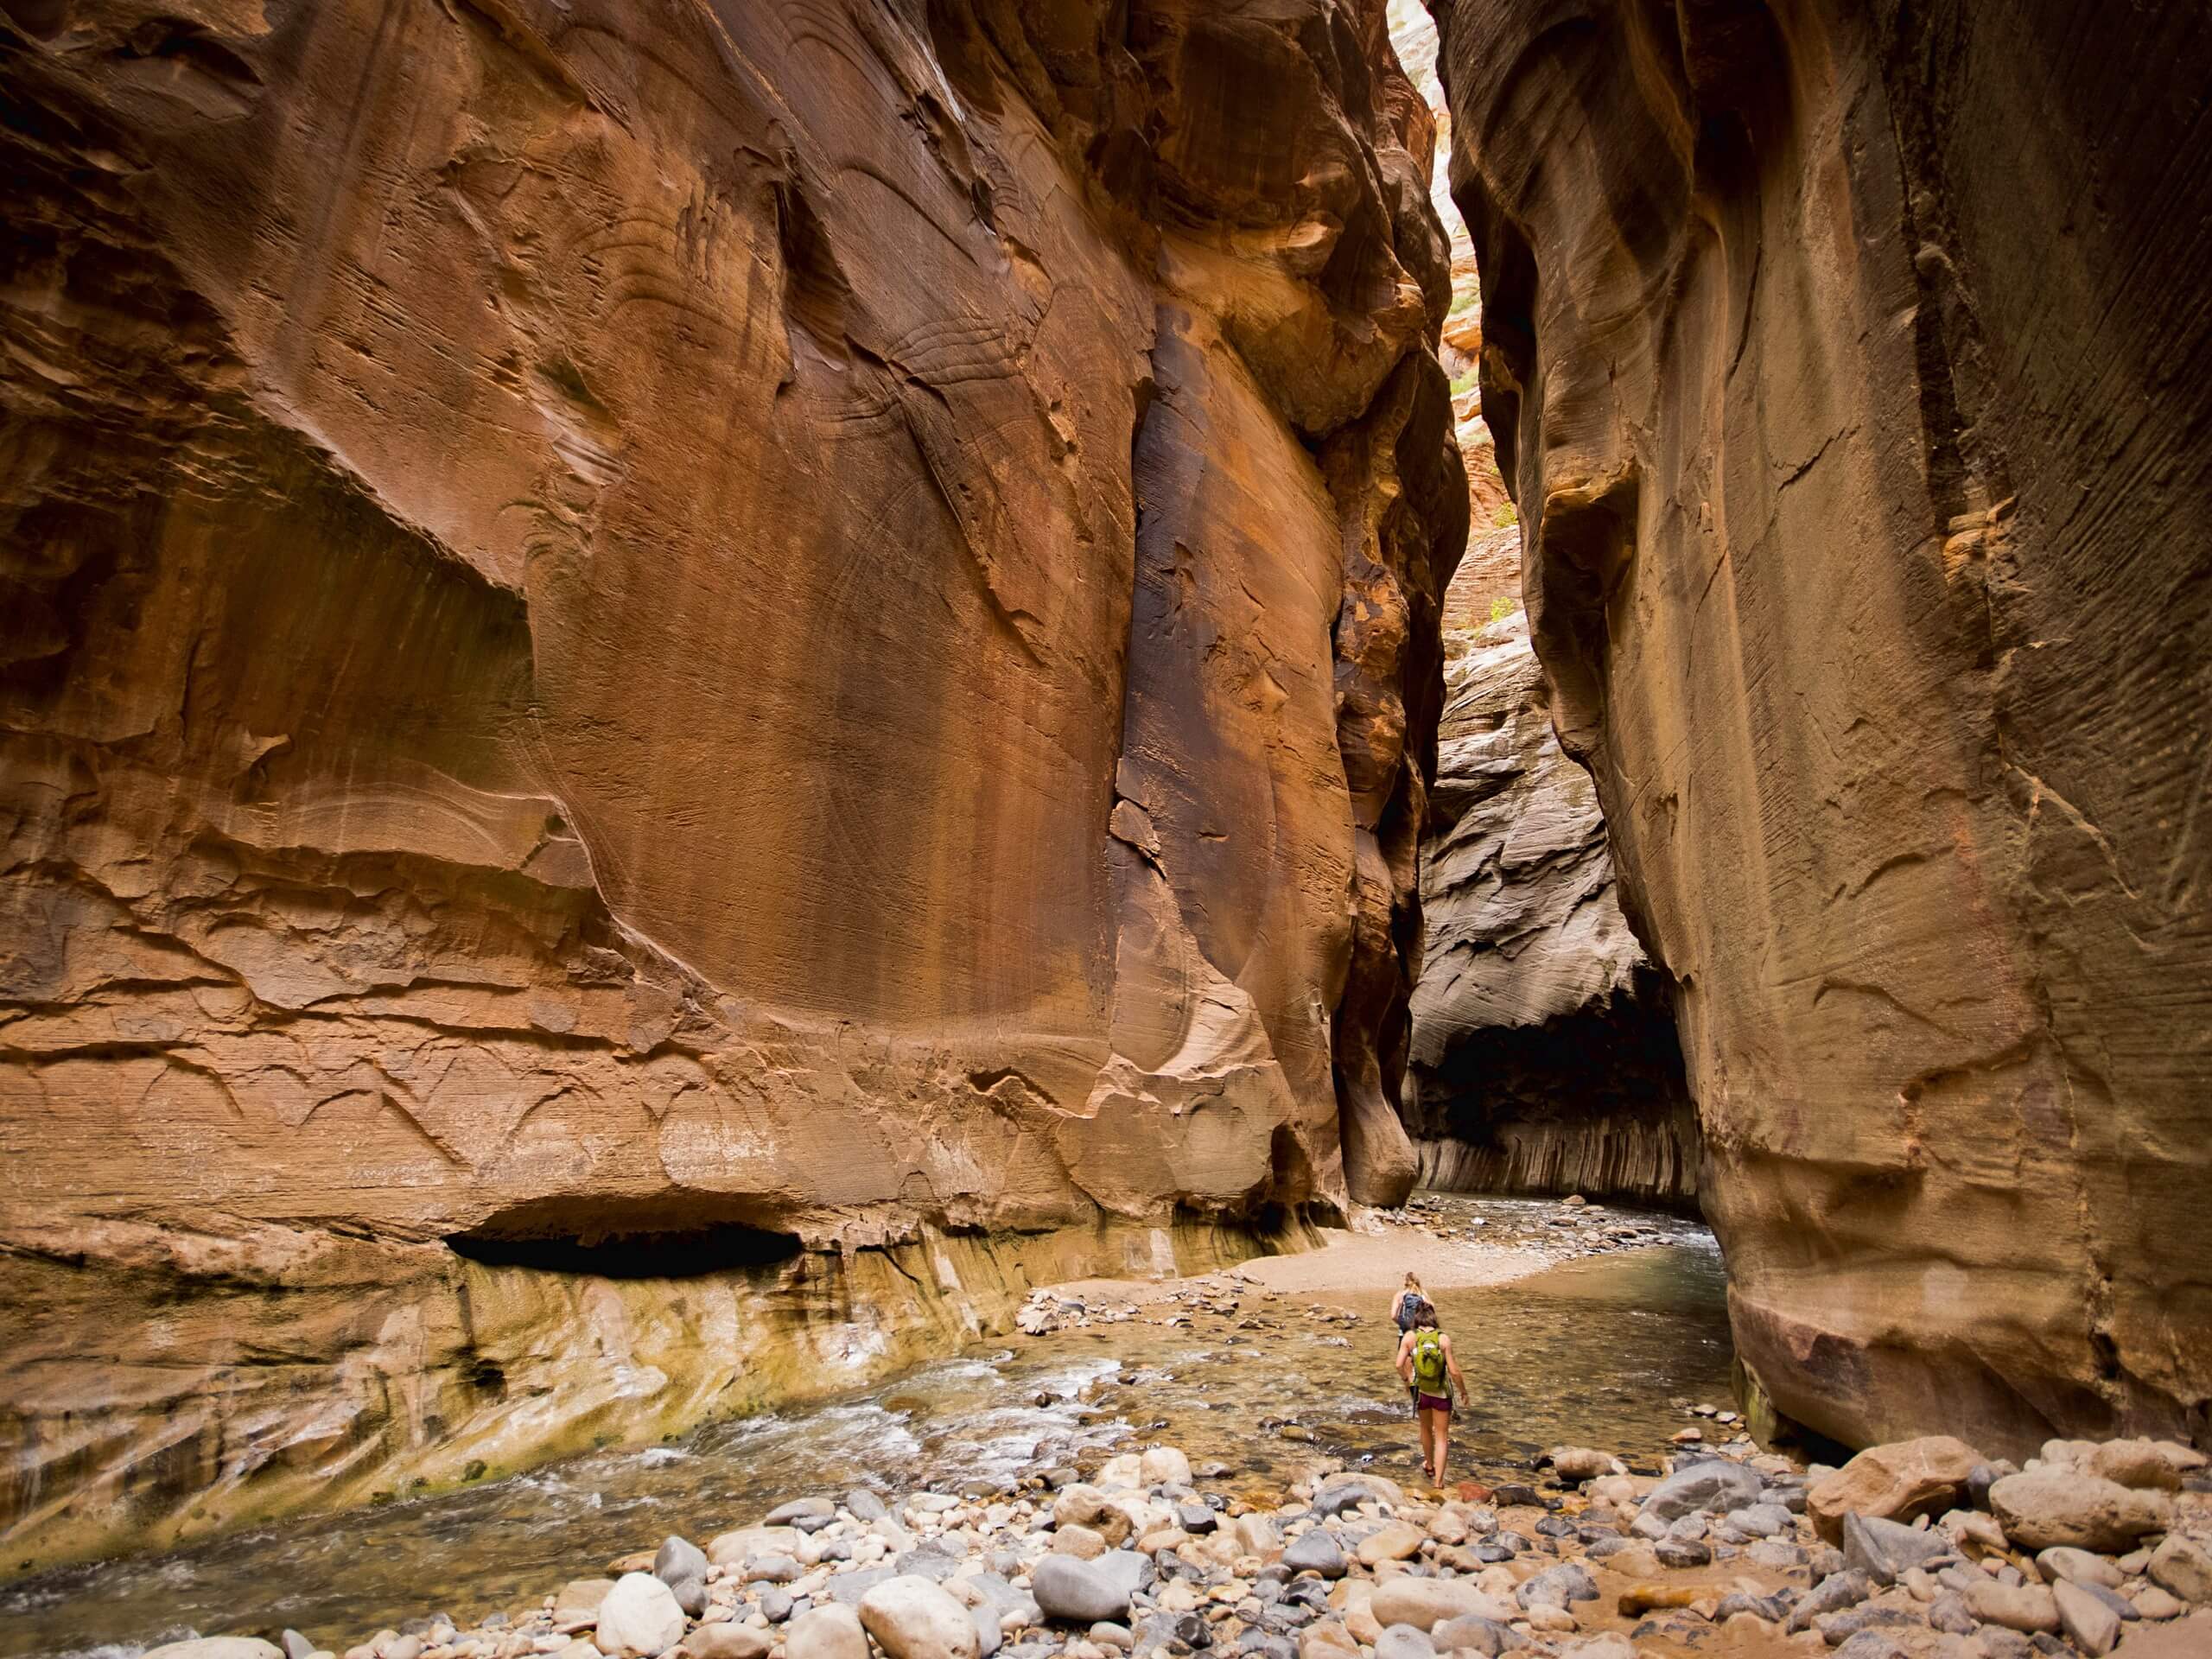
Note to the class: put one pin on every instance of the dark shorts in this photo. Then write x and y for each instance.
(1433, 1402)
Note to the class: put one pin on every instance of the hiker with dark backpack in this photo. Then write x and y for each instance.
(1403, 1311)
(1425, 1361)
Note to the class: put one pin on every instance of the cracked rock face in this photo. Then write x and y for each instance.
(1544, 1056)
(1834, 355)
(810, 622)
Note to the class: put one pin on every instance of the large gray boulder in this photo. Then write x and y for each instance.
(1072, 1592)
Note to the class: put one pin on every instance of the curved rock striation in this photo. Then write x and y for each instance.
(704, 633)
(1544, 1056)
(1848, 364)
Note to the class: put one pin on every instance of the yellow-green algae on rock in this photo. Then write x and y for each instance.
(338, 1372)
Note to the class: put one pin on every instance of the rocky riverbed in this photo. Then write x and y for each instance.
(1909, 1550)
(1212, 1465)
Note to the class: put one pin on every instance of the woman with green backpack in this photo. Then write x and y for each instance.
(1425, 1361)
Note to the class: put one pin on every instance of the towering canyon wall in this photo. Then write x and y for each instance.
(682, 637)
(1544, 1054)
(1851, 366)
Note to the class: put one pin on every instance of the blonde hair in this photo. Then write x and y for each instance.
(1413, 1281)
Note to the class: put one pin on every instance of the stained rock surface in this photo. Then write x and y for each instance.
(1847, 363)
(1544, 1054)
(645, 641)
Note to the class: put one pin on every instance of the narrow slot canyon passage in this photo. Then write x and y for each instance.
(818, 820)
(1544, 1057)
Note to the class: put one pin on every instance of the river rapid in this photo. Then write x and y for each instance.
(1600, 1349)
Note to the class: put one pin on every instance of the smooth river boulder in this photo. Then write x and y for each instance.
(912, 1617)
(682, 1565)
(1714, 1486)
(727, 1640)
(832, 1631)
(1072, 1592)
(2088, 1623)
(640, 1619)
(1898, 1482)
(1317, 1550)
(2049, 1507)
(1426, 1603)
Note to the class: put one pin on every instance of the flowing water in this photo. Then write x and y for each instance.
(1591, 1352)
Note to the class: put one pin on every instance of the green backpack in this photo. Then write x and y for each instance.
(1428, 1360)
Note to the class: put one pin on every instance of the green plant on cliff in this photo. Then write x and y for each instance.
(1505, 517)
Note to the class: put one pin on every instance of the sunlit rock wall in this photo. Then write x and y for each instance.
(759, 623)
(1849, 365)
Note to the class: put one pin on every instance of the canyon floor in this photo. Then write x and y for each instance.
(1243, 1427)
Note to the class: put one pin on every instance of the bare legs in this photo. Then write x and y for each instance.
(1435, 1441)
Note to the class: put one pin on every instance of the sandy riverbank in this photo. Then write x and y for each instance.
(1362, 1267)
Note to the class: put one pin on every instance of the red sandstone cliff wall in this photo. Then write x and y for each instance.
(1848, 364)
(628, 619)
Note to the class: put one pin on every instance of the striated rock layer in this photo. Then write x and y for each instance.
(1544, 1055)
(755, 628)
(1849, 366)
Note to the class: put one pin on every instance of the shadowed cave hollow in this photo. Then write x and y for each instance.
(623, 1241)
(1593, 1101)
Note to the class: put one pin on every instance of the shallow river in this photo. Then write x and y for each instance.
(1591, 1351)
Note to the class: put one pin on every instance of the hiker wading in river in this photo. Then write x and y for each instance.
(1424, 1360)
(1403, 1306)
